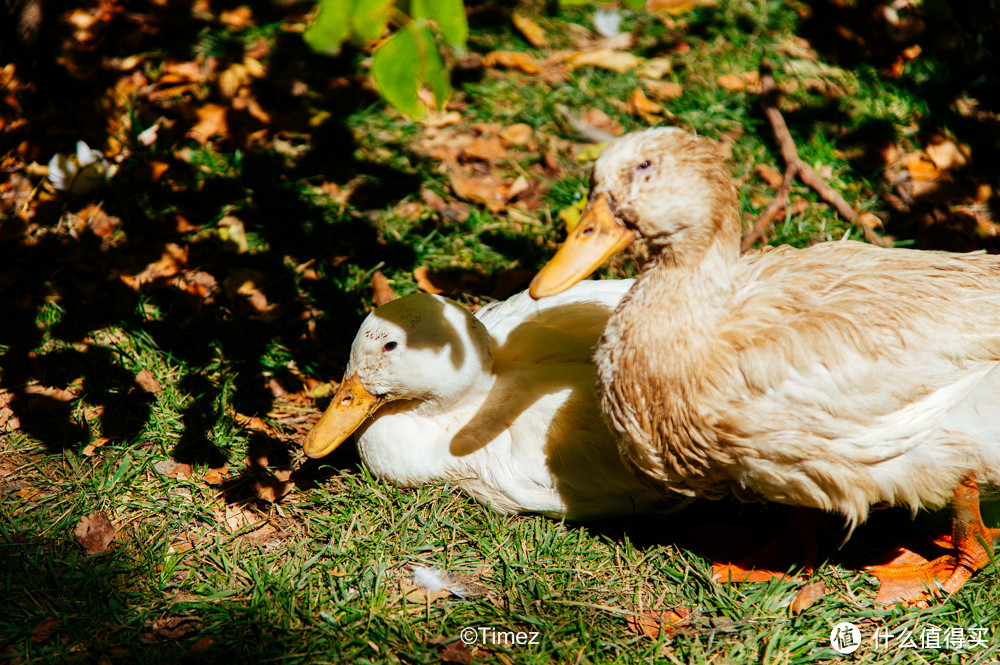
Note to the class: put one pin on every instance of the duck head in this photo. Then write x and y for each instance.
(420, 347)
(665, 185)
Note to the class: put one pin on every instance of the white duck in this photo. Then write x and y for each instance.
(501, 404)
(836, 377)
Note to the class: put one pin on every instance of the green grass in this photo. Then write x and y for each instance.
(318, 576)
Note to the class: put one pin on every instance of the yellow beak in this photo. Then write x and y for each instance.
(597, 237)
(350, 407)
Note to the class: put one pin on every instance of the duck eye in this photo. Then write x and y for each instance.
(389, 346)
(645, 165)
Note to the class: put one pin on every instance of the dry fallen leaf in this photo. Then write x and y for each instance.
(145, 380)
(456, 652)
(490, 190)
(806, 597)
(948, 155)
(517, 134)
(211, 121)
(274, 486)
(512, 60)
(94, 532)
(422, 276)
(533, 32)
(238, 17)
(175, 627)
(921, 167)
(381, 291)
(772, 176)
(201, 645)
(663, 89)
(606, 58)
(173, 469)
(655, 68)
(654, 623)
(217, 475)
(640, 105)
(731, 82)
(100, 223)
(44, 629)
(486, 149)
(600, 120)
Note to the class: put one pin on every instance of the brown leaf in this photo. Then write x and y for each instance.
(274, 486)
(486, 149)
(456, 652)
(237, 517)
(211, 121)
(381, 291)
(512, 60)
(27, 493)
(921, 167)
(45, 629)
(948, 155)
(238, 17)
(422, 276)
(91, 448)
(654, 623)
(674, 7)
(454, 210)
(655, 68)
(517, 134)
(601, 120)
(100, 223)
(175, 627)
(173, 469)
(533, 32)
(490, 190)
(772, 176)
(640, 105)
(56, 394)
(148, 382)
(94, 532)
(217, 475)
(731, 82)
(201, 645)
(606, 58)
(806, 597)
(663, 89)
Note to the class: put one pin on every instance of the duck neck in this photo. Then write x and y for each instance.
(689, 290)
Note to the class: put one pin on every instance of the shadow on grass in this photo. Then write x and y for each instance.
(63, 285)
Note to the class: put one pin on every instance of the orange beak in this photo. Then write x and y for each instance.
(351, 406)
(596, 238)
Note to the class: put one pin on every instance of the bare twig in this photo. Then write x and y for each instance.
(794, 166)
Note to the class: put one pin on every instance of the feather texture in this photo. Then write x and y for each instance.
(501, 404)
(836, 377)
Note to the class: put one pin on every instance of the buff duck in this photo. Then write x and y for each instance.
(501, 403)
(834, 377)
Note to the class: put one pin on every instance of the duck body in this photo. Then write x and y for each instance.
(834, 377)
(501, 404)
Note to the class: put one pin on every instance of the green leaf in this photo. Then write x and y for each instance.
(331, 26)
(405, 61)
(635, 4)
(396, 72)
(449, 15)
(369, 19)
(433, 69)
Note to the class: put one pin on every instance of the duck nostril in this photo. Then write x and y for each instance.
(347, 400)
(586, 232)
